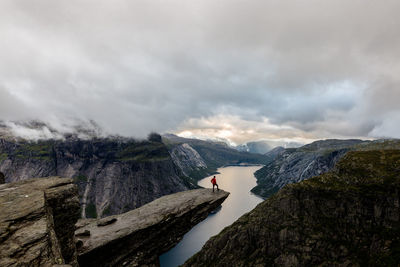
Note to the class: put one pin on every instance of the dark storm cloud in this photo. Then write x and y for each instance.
(315, 68)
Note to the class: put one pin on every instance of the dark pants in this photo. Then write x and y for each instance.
(215, 185)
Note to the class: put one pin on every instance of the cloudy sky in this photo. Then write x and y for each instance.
(240, 70)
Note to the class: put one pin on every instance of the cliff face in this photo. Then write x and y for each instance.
(187, 159)
(297, 164)
(113, 175)
(37, 222)
(138, 237)
(347, 217)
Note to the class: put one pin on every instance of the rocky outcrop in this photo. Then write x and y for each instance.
(38, 226)
(347, 217)
(138, 237)
(113, 175)
(2, 178)
(37, 220)
(293, 165)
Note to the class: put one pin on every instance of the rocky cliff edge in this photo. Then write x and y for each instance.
(38, 226)
(138, 237)
(37, 220)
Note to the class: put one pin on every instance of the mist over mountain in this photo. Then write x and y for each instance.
(39, 130)
(264, 146)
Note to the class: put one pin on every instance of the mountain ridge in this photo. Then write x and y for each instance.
(296, 164)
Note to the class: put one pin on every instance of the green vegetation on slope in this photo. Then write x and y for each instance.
(366, 172)
(40, 150)
(91, 211)
(3, 156)
(143, 152)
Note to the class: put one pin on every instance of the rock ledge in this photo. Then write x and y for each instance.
(37, 222)
(138, 237)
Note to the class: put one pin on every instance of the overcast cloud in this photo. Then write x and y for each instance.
(242, 70)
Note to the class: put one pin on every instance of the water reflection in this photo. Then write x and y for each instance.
(236, 180)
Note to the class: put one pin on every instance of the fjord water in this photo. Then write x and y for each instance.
(238, 181)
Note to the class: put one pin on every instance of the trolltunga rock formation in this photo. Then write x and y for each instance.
(138, 237)
(38, 226)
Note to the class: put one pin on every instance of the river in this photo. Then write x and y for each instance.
(238, 181)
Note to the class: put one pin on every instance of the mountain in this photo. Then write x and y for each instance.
(199, 158)
(296, 164)
(114, 175)
(349, 216)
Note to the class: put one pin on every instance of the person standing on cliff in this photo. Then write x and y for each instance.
(214, 183)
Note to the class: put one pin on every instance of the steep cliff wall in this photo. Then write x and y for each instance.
(37, 220)
(113, 175)
(292, 167)
(297, 164)
(347, 217)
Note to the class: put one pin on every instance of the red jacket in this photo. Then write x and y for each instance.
(213, 180)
